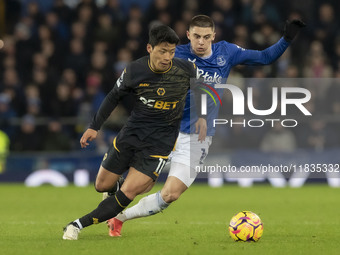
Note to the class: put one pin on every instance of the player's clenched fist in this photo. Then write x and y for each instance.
(89, 135)
(292, 28)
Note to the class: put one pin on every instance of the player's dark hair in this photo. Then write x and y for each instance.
(202, 21)
(162, 33)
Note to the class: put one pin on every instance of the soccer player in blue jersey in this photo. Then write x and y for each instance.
(214, 62)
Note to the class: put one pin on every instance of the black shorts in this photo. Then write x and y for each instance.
(127, 152)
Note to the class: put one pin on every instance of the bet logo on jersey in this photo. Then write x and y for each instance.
(158, 104)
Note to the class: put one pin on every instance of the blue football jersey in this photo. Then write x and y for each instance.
(217, 67)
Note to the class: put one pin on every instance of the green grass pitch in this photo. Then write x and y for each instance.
(296, 221)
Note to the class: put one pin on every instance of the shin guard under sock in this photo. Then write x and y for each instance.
(107, 209)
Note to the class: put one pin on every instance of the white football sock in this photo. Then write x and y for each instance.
(147, 206)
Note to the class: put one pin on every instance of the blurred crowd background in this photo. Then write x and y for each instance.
(61, 57)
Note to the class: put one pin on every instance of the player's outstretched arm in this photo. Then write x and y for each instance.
(270, 54)
(89, 135)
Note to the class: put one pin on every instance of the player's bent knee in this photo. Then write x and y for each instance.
(100, 188)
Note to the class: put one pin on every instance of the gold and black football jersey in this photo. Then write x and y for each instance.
(160, 99)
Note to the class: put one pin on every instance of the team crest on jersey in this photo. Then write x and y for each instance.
(161, 91)
(221, 60)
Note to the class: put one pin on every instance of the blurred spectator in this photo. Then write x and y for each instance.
(326, 27)
(24, 47)
(63, 11)
(87, 15)
(93, 93)
(335, 58)
(100, 46)
(9, 62)
(106, 31)
(318, 136)
(157, 7)
(279, 139)
(41, 62)
(190, 5)
(240, 137)
(292, 71)
(33, 102)
(241, 36)
(226, 15)
(13, 87)
(265, 36)
(333, 96)
(133, 38)
(69, 76)
(63, 104)
(99, 64)
(53, 55)
(316, 65)
(126, 4)
(258, 12)
(180, 28)
(124, 56)
(78, 31)
(87, 11)
(58, 27)
(6, 114)
(46, 88)
(33, 11)
(29, 137)
(165, 18)
(9, 48)
(77, 59)
(112, 8)
(88, 3)
(187, 15)
(55, 139)
(135, 13)
(14, 8)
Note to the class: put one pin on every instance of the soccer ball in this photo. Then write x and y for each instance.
(245, 226)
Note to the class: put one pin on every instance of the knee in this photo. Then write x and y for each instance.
(100, 187)
(170, 196)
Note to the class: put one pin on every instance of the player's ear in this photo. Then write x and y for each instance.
(188, 34)
(213, 36)
(149, 48)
